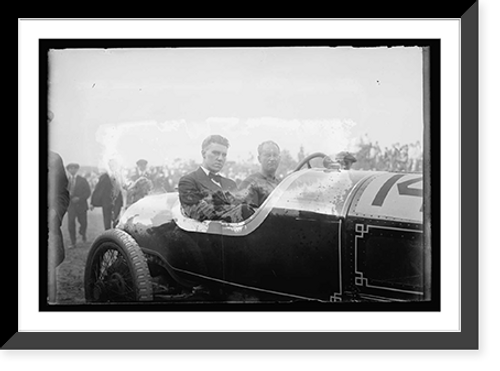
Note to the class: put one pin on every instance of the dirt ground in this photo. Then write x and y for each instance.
(70, 273)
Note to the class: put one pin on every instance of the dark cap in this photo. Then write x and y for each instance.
(72, 166)
(141, 162)
(345, 156)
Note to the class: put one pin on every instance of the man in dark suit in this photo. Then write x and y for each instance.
(58, 201)
(108, 195)
(58, 197)
(205, 194)
(79, 190)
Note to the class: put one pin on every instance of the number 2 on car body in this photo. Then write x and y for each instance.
(403, 189)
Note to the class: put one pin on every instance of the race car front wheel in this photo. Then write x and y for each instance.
(116, 270)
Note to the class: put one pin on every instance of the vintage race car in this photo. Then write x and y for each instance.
(323, 234)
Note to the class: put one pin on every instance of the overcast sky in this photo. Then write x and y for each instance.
(159, 104)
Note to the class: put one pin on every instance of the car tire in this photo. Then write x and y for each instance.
(116, 270)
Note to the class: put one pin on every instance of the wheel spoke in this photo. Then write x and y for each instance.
(114, 277)
(113, 271)
(108, 259)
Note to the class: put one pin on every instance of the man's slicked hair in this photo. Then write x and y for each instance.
(214, 139)
(261, 146)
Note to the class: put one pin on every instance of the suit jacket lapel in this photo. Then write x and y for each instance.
(227, 184)
(206, 181)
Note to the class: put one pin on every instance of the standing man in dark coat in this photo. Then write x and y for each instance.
(58, 205)
(79, 190)
(205, 194)
(58, 201)
(107, 194)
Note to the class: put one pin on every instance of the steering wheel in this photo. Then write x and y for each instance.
(308, 159)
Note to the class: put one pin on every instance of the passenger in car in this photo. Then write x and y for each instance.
(257, 187)
(205, 194)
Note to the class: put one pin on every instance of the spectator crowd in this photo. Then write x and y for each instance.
(369, 156)
(398, 157)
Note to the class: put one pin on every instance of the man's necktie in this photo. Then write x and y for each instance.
(215, 179)
(214, 176)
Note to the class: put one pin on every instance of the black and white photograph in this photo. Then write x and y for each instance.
(240, 175)
(256, 192)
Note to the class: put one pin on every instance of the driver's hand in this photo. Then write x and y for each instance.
(205, 208)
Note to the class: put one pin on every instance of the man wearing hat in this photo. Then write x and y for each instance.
(141, 183)
(345, 159)
(141, 170)
(79, 191)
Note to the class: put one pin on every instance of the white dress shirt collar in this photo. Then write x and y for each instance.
(207, 174)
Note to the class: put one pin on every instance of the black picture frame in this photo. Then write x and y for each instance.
(466, 338)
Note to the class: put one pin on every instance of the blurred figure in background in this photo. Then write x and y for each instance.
(345, 159)
(257, 186)
(415, 157)
(140, 183)
(108, 195)
(141, 170)
(79, 191)
(58, 201)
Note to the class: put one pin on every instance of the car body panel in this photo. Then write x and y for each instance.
(383, 238)
(385, 260)
(293, 261)
(322, 234)
(389, 196)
